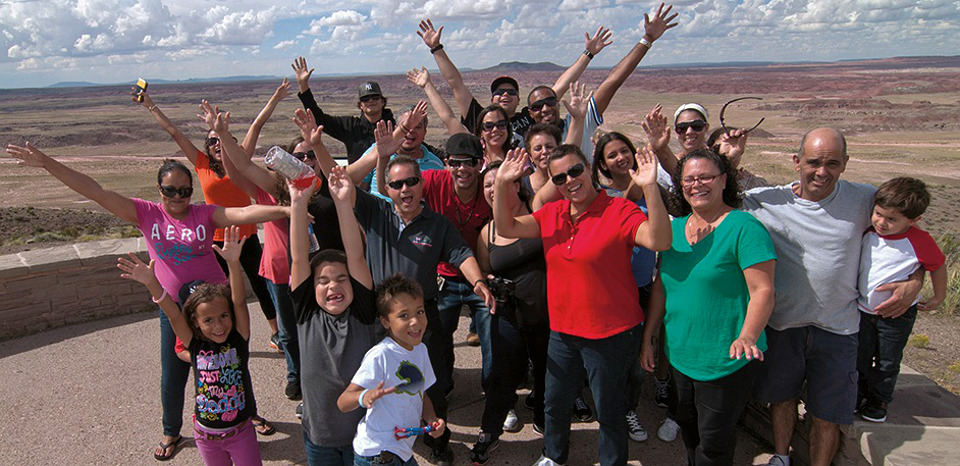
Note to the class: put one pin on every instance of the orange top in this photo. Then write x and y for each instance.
(222, 192)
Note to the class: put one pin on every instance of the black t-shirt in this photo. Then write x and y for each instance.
(326, 225)
(223, 389)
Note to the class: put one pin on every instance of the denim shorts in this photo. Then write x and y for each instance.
(813, 364)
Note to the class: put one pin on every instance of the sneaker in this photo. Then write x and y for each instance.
(663, 392)
(473, 339)
(581, 411)
(275, 342)
(668, 430)
(777, 460)
(292, 391)
(637, 432)
(481, 450)
(537, 429)
(442, 456)
(300, 410)
(530, 402)
(512, 422)
(544, 461)
(874, 411)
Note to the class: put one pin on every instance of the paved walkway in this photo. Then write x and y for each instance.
(89, 394)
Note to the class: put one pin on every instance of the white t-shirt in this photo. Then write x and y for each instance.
(593, 120)
(412, 374)
(887, 259)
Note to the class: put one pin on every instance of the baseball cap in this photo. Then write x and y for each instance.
(370, 88)
(187, 289)
(691, 106)
(501, 80)
(464, 144)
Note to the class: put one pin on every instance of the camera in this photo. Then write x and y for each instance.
(504, 292)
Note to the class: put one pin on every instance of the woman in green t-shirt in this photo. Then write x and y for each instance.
(714, 295)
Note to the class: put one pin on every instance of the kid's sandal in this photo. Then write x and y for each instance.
(262, 426)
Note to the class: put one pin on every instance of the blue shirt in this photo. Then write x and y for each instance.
(429, 161)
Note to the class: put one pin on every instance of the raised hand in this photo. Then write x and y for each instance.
(342, 188)
(232, 244)
(283, 90)
(29, 156)
(136, 270)
(300, 195)
(222, 123)
(599, 40)
(577, 107)
(419, 77)
(387, 145)
(430, 36)
(646, 172)
(308, 127)
(415, 116)
(654, 28)
(369, 396)
(136, 92)
(732, 144)
(302, 73)
(209, 115)
(514, 166)
(656, 127)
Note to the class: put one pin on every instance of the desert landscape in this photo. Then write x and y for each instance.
(901, 117)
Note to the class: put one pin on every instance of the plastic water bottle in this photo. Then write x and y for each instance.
(289, 167)
(314, 244)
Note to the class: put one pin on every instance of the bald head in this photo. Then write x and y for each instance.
(820, 136)
(821, 160)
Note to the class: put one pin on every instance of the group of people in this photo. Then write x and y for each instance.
(581, 256)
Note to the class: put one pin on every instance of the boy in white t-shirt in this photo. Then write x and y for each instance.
(891, 250)
(399, 362)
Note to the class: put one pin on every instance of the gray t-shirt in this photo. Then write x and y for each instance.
(331, 350)
(818, 250)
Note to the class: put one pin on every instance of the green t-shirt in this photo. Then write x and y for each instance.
(707, 294)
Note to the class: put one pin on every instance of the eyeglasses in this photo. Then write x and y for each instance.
(488, 126)
(173, 191)
(457, 163)
(550, 101)
(560, 178)
(369, 98)
(305, 155)
(507, 91)
(696, 125)
(410, 182)
(703, 179)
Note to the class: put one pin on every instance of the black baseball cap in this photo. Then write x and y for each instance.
(370, 88)
(501, 80)
(464, 144)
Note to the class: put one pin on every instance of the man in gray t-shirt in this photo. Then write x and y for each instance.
(816, 224)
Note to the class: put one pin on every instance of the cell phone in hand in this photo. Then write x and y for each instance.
(142, 87)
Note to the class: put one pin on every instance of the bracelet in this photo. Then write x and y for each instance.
(360, 400)
(162, 295)
(588, 54)
(478, 281)
(152, 108)
(436, 49)
(648, 44)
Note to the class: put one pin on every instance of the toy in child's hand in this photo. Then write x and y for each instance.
(402, 433)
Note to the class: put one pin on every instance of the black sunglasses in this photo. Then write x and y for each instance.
(369, 98)
(560, 178)
(488, 126)
(173, 191)
(211, 141)
(457, 163)
(398, 184)
(697, 125)
(536, 106)
(305, 155)
(506, 91)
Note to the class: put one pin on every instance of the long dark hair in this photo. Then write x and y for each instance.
(205, 293)
(732, 196)
(478, 130)
(170, 165)
(599, 163)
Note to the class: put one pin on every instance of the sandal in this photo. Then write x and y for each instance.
(174, 444)
(262, 426)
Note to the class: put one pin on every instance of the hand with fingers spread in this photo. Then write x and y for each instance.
(302, 73)
(414, 117)
(646, 172)
(733, 143)
(342, 188)
(283, 90)
(387, 145)
(599, 41)
(232, 244)
(367, 397)
(430, 36)
(745, 348)
(309, 130)
(654, 28)
(419, 77)
(136, 270)
(209, 114)
(655, 125)
(513, 166)
(29, 156)
(221, 124)
(579, 103)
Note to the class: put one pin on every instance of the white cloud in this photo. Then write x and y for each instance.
(285, 45)
(343, 18)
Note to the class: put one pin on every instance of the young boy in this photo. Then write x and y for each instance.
(336, 323)
(892, 249)
(400, 363)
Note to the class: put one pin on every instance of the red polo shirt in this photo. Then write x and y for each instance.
(468, 218)
(591, 292)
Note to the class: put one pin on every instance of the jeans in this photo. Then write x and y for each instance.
(241, 449)
(327, 456)
(635, 375)
(707, 413)
(173, 378)
(372, 461)
(880, 351)
(454, 295)
(437, 348)
(287, 326)
(250, 261)
(603, 360)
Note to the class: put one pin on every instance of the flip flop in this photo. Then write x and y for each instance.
(262, 426)
(175, 444)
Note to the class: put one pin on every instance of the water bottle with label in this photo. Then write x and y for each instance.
(314, 244)
(289, 167)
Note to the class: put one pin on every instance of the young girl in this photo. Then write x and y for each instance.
(216, 323)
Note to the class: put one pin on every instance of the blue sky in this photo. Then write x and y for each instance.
(108, 41)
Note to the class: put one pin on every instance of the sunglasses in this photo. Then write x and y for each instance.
(507, 91)
(702, 179)
(305, 155)
(369, 98)
(457, 163)
(173, 191)
(560, 178)
(212, 141)
(410, 182)
(550, 101)
(696, 125)
(488, 126)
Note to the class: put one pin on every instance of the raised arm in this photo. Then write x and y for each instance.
(422, 79)
(386, 145)
(226, 216)
(759, 279)
(230, 252)
(115, 203)
(253, 132)
(431, 37)
(299, 239)
(344, 191)
(219, 123)
(657, 128)
(592, 46)
(655, 233)
(313, 134)
(508, 226)
(577, 108)
(189, 150)
(135, 269)
(653, 29)
(334, 126)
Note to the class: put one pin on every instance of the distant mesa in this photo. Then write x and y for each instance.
(517, 66)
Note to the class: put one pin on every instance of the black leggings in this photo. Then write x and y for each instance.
(250, 260)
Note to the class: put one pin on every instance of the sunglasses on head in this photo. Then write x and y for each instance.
(506, 91)
(696, 125)
(489, 126)
(398, 184)
(369, 98)
(550, 101)
(457, 163)
(173, 191)
(560, 178)
(305, 155)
